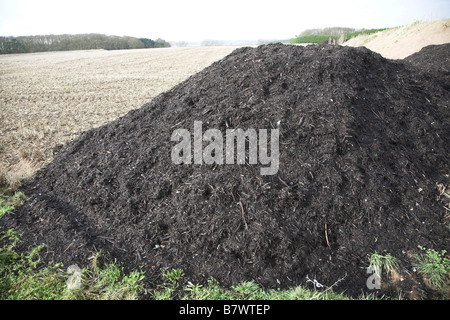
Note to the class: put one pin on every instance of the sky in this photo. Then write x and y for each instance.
(199, 20)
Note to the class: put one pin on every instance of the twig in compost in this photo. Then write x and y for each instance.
(176, 124)
(243, 215)
(68, 247)
(326, 236)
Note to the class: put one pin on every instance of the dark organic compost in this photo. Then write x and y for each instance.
(363, 142)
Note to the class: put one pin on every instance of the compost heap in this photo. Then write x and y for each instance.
(432, 56)
(434, 59)
(363, 143)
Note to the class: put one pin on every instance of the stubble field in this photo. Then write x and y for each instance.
(47, 99)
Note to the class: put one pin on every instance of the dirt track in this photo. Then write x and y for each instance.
(50, 98)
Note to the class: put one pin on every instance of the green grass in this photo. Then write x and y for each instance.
(253, 291)
(381, 262)
(316, 38)
(351, 35)
(8, 201)
(248, 290)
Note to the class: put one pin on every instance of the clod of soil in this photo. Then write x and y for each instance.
(363, 142)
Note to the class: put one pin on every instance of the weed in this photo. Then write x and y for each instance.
(5, 209)
(434, 265)
(109, 283)
(171, 280)
(173, 276)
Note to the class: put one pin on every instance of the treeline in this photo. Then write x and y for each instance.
(64, 42)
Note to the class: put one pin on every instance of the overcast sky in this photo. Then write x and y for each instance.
(197, 20)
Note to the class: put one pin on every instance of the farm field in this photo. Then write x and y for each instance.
(47, 99)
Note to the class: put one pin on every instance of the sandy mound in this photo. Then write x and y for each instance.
(398, 43)
(362, 144)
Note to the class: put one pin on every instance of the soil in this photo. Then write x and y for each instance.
(363, 142)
